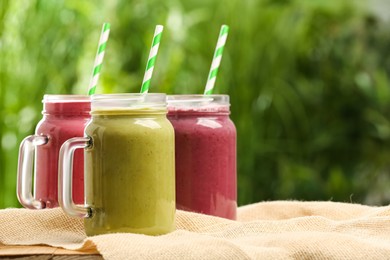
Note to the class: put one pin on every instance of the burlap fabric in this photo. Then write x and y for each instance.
(267, 230)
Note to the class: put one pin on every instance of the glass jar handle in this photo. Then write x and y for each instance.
(65, 173)
(25, 171)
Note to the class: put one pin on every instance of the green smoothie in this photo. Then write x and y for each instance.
(130, 174)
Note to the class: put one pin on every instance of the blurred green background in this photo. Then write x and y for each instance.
(308, 81)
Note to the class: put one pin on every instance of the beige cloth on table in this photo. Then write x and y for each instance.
(266, 230)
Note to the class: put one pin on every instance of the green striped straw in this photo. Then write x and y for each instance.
(151, 59)
(216, 60)
(99, 58)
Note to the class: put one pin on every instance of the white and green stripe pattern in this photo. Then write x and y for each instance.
(99, 58)
(152, 59)
(216, 60)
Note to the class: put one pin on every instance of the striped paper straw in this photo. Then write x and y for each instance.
(151, 59)
(99, 58)
(216, 60)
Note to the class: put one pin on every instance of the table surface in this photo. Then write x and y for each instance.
(41, 252)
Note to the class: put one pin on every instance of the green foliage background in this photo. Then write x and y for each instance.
(308, 81)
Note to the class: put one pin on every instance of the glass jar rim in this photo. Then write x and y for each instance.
(198, 103)
(65, 98)
(128, 101)
(198, 100)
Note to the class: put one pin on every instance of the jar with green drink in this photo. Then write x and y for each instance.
(129, 166)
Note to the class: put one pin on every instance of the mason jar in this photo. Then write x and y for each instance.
(205, 145)
(64, 117)
(129, 166)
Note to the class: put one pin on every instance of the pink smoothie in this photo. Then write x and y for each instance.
(63, 119)
(205, 143)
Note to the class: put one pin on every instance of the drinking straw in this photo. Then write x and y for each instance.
(99, 58)
(223, 33)
(151, 59)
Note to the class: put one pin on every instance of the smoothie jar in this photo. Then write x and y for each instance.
(64, 117)
(129, 166)
(205, 140)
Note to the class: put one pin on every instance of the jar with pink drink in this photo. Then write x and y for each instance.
(205, 154)
(64, 117)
